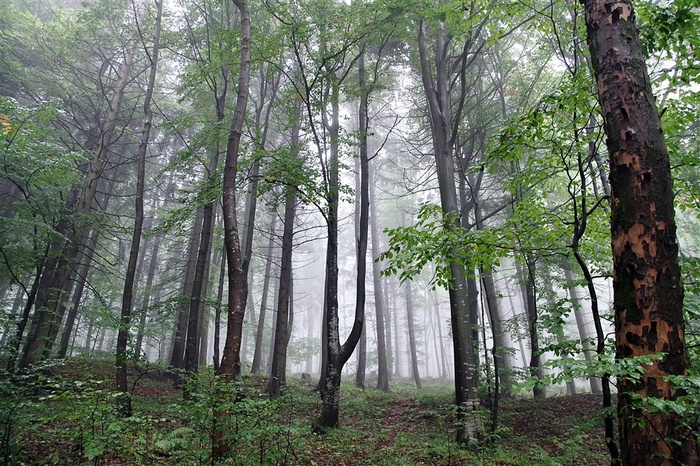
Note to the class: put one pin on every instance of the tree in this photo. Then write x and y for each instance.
(230, 362)
(648, 295)
(124, 400)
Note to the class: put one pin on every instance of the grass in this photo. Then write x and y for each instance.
(67, 418)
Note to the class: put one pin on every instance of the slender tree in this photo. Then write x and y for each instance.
(124, 399)
(230, 362)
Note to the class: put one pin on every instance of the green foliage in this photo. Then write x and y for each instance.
(40, 174)
(426, 242)
(302, 349)
(248, 423)
(15, 403)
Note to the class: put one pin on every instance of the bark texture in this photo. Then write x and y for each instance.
(648, 296)
(230, 363)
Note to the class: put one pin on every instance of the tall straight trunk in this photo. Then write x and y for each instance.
(269, 82)
(278, 365)
(217, 313)
(382, 365)
(81, 278)
(230, 362)
(362, 218)
(177, 358)
(273, 330)
(201, 271)
(124, 399)
(260, 334)
(436, 90)
(412, 336)
(204, 321)
(581, 325)
(501, 360)
(146, 302)
(285, 295)
(529, 291)
(441, 339)
(398, 360)
(201, 275)
(648, 294)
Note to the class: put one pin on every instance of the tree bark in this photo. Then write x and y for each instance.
(382, 365)
(124, 399)
(260, 333)
(177, 358)
(230, 362)
(648, 294)
(436, 90)
(278, 366)
(412, 336)
(581, 325)
(81, 278)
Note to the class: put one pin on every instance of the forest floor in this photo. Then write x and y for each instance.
(66, 417)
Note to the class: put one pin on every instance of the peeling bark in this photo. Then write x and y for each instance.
(648, 292)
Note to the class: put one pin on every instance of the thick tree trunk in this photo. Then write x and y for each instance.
(338, 354)
(648, 294)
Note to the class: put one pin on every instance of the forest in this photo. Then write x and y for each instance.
(349, 232)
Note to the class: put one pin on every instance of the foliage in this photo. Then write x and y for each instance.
(412, 248)
(40, 175)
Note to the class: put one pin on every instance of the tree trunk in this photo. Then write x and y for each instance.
(124, 398)
(81, 278)
(230, 362)
(217, 313)
(412, 336)
(199, 285)
(150, 275)
(581, 325)
(443, 136)
(648, 294)
(47, 316)
(260, 334)
(337, 354)
(177, 359)
(382, 366)
(278, 366)
(504, 372)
